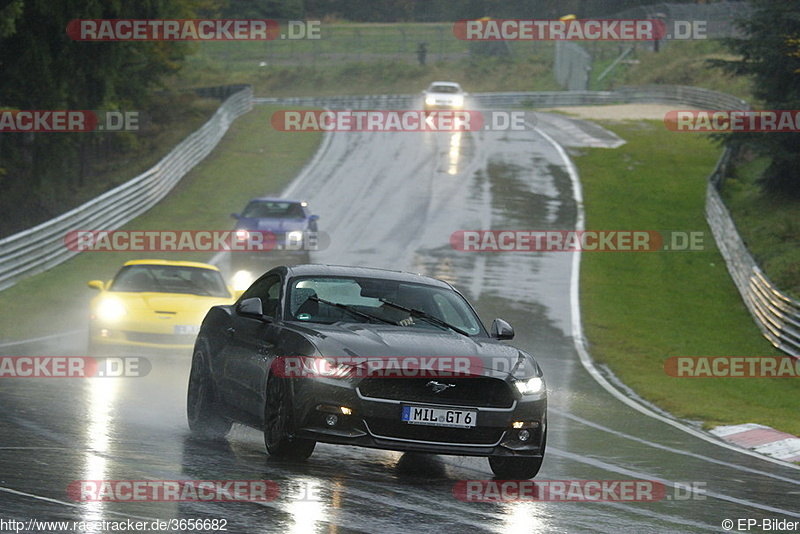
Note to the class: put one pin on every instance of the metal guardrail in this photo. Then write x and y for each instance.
(775, 313)
(42, 247)
(679, 95)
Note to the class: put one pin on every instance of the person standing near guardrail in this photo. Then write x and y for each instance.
(422, 52)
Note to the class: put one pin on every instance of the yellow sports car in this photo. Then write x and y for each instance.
(154, 303)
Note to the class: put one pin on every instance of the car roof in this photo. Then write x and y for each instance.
(277, 199)
(362, 272)
(196, 264)
(452, 84)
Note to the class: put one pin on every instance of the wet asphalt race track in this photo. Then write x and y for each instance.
(392, 200)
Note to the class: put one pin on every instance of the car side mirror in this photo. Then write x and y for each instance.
(501, 330)
(96, 284)
(251, 307)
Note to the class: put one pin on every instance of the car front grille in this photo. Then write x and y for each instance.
(400, 430)
(481, 391)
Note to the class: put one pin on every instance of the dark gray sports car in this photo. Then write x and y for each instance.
(367, 357)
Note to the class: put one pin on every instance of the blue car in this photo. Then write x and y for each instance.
(294, 228)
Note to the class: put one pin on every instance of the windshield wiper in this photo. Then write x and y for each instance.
(349, 309)
(425, 316)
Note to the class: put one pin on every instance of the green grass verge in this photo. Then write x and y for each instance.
(769, 225)
(641, 308)
(368, 59)
(252, 159)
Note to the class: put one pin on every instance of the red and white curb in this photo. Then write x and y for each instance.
(762, 439)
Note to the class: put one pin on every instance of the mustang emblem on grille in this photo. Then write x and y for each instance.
(438, 387)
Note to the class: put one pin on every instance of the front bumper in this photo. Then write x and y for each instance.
(376, 422)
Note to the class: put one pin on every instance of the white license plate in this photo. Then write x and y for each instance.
(425, 415)
(182, 329)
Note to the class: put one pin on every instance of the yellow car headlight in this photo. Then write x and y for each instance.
(242, 280)
(111, 309)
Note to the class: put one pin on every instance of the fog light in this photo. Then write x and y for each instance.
(331, 420)
(523, 435)
(327, 408)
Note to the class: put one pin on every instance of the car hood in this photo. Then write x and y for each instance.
(167, 302)
(278, 226)
(379, 341)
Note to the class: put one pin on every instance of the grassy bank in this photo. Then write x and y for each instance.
(641, 308)
(252, 159)
(769, 225)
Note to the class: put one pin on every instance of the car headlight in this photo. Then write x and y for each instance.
(242, 235)
(530, 386)
(295, 236)
(327, 368)
(241, 280)
(111, 309)
(430, 100)
(458, 101)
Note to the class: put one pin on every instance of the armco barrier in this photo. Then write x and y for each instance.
(777, 315)
(42, 247)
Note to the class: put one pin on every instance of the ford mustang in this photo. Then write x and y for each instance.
(154, 303)
(367, 357)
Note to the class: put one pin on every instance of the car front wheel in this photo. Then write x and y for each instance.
(517, 467)
(278, 423)
(201, 406)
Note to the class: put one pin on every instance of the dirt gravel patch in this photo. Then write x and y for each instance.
(620, 112)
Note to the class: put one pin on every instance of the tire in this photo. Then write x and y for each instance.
(201, 402)
(517, 467)
(278, 423)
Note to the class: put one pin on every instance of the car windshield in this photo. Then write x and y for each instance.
(170, 279)
(452, 89)
(333, 299)
(273, 210)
